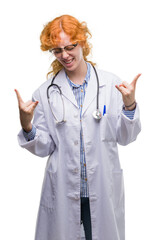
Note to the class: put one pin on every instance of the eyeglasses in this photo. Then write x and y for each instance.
(58, 51)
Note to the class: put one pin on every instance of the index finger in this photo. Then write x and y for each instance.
(20, 100)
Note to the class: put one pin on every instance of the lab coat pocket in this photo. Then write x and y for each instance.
(118, 189)
(108, 128)
(49, 190)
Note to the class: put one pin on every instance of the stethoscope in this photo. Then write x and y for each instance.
(96, 114)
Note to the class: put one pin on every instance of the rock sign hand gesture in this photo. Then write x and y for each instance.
(128, 93)
(26, 110)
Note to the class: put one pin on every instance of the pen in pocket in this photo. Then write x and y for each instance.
(104, 110)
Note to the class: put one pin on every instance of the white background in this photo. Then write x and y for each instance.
(124, 42)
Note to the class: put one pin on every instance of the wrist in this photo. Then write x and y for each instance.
(30, 135)
(130, 107)
(27, 128)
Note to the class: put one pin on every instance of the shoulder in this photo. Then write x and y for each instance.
(108, 77)
(41, 91)
(43, 87)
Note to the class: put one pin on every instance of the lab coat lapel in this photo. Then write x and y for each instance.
(67, 92)
(91, 90)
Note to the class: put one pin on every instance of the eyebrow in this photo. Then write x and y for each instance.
(64, 46)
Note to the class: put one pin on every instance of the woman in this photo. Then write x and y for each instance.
(83, 180)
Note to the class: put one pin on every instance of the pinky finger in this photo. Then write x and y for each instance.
(121, 89)
(33, 106)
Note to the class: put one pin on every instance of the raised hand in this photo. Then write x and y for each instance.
(26, 110)
(128, 93)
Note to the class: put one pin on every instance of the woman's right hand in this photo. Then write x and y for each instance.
(26, 112)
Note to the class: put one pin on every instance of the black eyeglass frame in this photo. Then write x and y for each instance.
(60, 50)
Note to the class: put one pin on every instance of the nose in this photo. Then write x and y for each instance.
(64, 54)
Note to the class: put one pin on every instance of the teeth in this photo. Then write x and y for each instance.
(69, 61)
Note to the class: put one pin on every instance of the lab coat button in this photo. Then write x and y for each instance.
(76, 142)
(77, 197)
(76, 170)
(76, 116)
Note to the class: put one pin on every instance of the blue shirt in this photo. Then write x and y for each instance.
(79, 93)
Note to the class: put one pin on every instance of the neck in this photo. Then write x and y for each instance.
(78, 75)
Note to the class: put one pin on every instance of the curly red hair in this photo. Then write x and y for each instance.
(78, 32)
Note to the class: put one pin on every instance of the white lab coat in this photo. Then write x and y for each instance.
(59, 210)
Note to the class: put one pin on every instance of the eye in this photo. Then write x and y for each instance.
(69, 48)
(56, 50)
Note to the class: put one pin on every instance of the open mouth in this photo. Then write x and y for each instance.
(69, 61)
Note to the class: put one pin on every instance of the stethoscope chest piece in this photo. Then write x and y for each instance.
(97, 114)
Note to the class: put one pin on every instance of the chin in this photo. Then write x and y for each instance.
(71, 68)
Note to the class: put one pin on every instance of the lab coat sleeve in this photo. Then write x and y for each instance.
(127, 129)
(42, 145)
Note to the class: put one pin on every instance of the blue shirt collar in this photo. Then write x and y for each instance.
(87, 77)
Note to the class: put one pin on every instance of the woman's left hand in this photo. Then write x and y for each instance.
(128, 93)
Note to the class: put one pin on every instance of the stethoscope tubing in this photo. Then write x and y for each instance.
(96, 114)
(53, 84)
(97, 78)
